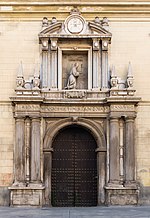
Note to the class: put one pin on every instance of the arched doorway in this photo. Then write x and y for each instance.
(74, 168)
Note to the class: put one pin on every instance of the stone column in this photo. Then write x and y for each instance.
(114, 169)
(35, 150)
(104, 64)
(101, 168)
(19, 153)
(96, 65)
(28, 147)
(44, 69)
(44, 62)
(47, 175)
(54, 53)
(129, 151)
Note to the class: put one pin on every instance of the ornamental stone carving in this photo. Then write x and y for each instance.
(122, 107)
(75, 94)
(130, 77)
(114, 79)
(76, 109)
(73, 75)
(36, 82)
(27, 107)
(74, 89)
(75, 24)
(20, 78)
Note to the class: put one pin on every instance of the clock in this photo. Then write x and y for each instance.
(75, 25)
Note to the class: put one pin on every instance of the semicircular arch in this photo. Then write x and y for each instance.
(95, 129)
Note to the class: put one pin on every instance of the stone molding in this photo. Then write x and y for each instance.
(122, 195)
(122, 107)
(121, 8)
(95, 129)
(76, 109)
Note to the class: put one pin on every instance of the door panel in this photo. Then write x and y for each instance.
(74, 168)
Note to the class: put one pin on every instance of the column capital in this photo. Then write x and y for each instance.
(35, 118)
(20, 119)
(105, 45)
(44, 41)
(96, 44)
(114, 118)
(54, 44)
(48, 150)
(130, 118)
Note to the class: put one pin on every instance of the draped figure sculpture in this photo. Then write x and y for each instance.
(72, 80)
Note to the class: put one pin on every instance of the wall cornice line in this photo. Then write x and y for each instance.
(76, 3)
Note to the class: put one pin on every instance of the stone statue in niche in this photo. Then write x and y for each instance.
(72, 79)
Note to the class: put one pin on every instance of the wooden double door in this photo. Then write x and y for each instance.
(74, 168)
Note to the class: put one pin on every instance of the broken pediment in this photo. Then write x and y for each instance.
(75, 26)
(98, 29)
(51, 29)
(74, 41)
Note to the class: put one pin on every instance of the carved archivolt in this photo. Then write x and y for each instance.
(95, 129)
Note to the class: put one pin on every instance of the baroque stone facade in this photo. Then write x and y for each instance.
(66, 80)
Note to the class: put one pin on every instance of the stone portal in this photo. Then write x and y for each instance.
(75, 90)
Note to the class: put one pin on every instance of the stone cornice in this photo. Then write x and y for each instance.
(113, 9)
(72, 3)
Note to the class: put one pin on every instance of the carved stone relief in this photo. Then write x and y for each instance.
(75, 94)
(119, 107)
(73, 75)
(78, 80)
(27, 107)
(75, 109)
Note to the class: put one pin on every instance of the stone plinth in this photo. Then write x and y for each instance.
(26, 196)
(122, 196)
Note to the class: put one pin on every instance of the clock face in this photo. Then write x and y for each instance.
(75, 25)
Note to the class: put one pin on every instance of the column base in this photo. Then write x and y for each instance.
(131, 184)
(19, 184)
(115, 184)
(27, 196)
(34, 185)
(121, 195)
